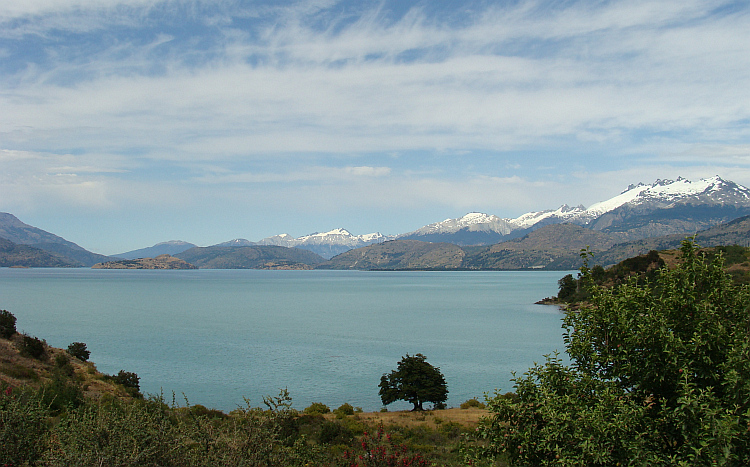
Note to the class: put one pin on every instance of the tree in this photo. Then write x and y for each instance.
(659, 375)
(79, 351)
(414, 381)
(7, 324)
(567, 286)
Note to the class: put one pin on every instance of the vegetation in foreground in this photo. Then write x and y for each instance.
(659, 375)
(56, 409)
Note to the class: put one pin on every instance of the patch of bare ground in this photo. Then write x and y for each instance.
(468, 418)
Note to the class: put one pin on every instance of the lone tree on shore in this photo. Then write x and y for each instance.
(414, 381)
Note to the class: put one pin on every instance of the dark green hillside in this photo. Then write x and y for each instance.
(399, 254)
(30, 257)
(250, 257)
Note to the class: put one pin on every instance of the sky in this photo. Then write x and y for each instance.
(124, 123)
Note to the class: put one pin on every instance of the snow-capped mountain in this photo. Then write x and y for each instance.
(562, 214)
(236, 242)
(326, 244)
(661, 208)
(667, 193)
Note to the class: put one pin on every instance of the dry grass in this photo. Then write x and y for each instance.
(429, 418)
(17, 370)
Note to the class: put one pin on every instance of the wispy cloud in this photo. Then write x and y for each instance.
(196, 94)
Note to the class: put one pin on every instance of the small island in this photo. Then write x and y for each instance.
(160, 262)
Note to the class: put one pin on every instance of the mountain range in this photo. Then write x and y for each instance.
(539, 239)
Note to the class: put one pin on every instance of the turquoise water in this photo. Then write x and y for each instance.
(219, 336)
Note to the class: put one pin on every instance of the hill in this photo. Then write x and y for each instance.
(18, 369)
(13, 255)
(399, 254)
(250, 257)
(12, 229)
(171, 247)
(160, 262)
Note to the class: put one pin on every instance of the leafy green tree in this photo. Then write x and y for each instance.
(567, 287)
(33, 347)
(414, 381)
(7, 324)
(128, 379)
(659, 374)
(79, 351)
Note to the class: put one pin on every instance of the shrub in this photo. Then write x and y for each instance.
(63, 366)
(128, 379)
(7, 324)
(317, 408)
(33, 347)
(79, 351)
(61, 395)
(23, 426)
(659, 375)
(380, 450)
(472, 403)
(344, 409)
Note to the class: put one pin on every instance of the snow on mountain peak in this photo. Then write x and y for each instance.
(666, 191)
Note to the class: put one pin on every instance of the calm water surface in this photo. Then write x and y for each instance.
(221, 335)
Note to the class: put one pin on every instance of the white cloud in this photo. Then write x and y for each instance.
(318, 102)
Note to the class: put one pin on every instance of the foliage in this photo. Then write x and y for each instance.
(659, 375)
(414, 381)
(643, 267)
(79, 351)
(567, 287)
(33, 347)
(379, 450)
(23, 426)
(317, 408)
(472, 403)
(344, 409)
(7, 324)
(128, 379)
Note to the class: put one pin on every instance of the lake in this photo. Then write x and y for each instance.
(219, 336)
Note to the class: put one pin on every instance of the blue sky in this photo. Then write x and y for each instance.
(127, 123)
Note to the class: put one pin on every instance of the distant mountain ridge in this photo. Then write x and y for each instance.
(666, 207)
(325, 244)
(171, 247)
(552, 247)
(661, 208)
(63, 251)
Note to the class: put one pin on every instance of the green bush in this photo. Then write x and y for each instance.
(128, 379)
(79, 351)
(33, 347)
(23, 426)
(61, 395)
(316, 408)
(7, 324)
(472, 403)
(659, 375)
(344, 409)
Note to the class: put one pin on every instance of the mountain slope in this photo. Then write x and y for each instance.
(661, 208)
(171, 247)
(250, 257)
(399, 254)
(14, 255)
(326, 244)
(11, 228)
